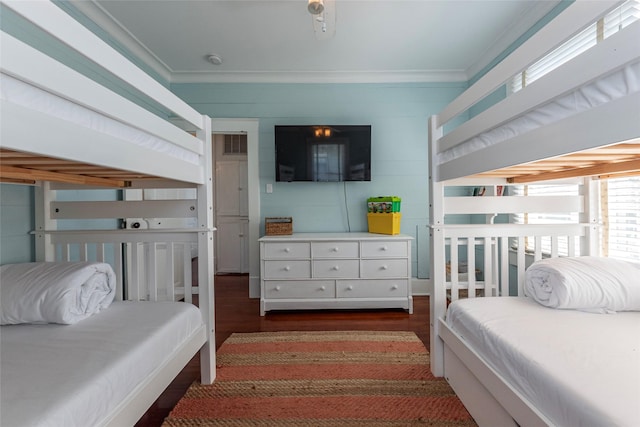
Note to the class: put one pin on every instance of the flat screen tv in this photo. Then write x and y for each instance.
(323, 153)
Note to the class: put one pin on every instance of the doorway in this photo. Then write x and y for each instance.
(248, 127)
(231, 203)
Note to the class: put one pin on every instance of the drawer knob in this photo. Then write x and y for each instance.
(335, 249)
(322, 288)
(384, 248)
(287, 250)
(384, 267)
(336, 267)
(394, 287)
(349, 288)
(287, 268)
(277, 288)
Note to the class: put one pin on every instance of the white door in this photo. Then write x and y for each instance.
(232, 238)
(231, 188)
(232, 216)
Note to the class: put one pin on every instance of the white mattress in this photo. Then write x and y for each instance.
(577, 368)
(26, 95)
(75, 375)
(615, 85)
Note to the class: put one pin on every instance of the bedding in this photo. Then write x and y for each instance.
(577, 368)
(588, 283)
(54, 292)
(616, 85)
(36, 99)
(76, 375)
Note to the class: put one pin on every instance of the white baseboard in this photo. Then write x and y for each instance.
(421, 287)
(254, 286)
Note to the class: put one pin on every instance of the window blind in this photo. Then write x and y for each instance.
(613, 22)
(621, 206)
(621, 221)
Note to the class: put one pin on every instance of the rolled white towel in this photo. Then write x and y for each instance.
(588, 283)
(50, 292)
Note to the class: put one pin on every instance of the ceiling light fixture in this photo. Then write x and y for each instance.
(315, 7)
(323, 18)
(214, 59)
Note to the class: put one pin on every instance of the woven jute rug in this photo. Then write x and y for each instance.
(321, 379)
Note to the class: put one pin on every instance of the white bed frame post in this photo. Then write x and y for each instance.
(437, 295)
(205, 257)
(591, 215)
(45, 250)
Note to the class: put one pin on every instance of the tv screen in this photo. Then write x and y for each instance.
(323, 153)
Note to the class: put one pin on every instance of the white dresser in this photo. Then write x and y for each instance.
(335, 271)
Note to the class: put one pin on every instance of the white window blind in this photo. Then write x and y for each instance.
(621, 221)
(620, 216)
(613, 22)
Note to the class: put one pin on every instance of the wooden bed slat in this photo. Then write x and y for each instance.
(25, 168)
(607, 168)
(617, 160)
(13, 172)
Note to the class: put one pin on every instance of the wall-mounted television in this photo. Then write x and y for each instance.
(323, 153)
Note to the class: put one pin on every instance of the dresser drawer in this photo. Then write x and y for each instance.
(384, 249)
(335, 249)
(380, 268)
(334, 268)
(372, 288)
(287, 250)
(274, 289)
(287, 269)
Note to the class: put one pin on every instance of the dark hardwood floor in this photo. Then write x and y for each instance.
(236, 312)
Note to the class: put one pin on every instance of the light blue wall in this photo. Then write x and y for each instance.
(16, 224)
(398, 116)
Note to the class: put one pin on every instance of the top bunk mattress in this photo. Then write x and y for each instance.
(26, 95)
(610, 87)
(76, 375)
(577, 368)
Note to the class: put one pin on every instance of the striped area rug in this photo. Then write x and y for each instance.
(321, 379)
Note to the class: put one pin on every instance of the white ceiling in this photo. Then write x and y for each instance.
(274, 40)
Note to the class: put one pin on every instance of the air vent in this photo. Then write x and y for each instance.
(235, 144)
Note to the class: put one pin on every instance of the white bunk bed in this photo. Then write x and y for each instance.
(62, 131)
(580, 121)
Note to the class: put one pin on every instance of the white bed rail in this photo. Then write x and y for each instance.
(57, 23)
(496, 257)
(614, 54)
(167, 150)
(567, 24)
(33, 129)
(149, 265)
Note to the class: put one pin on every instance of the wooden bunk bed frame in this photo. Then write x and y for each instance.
(55, 153)
(599, 142)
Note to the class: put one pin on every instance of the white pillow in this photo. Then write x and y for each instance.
(48, 292)
(595, 284)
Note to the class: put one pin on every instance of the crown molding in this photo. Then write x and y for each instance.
(321, 77)
(112, 27)
(94, 12)
(538, 11)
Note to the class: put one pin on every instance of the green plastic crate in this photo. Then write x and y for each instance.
(383, 204)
